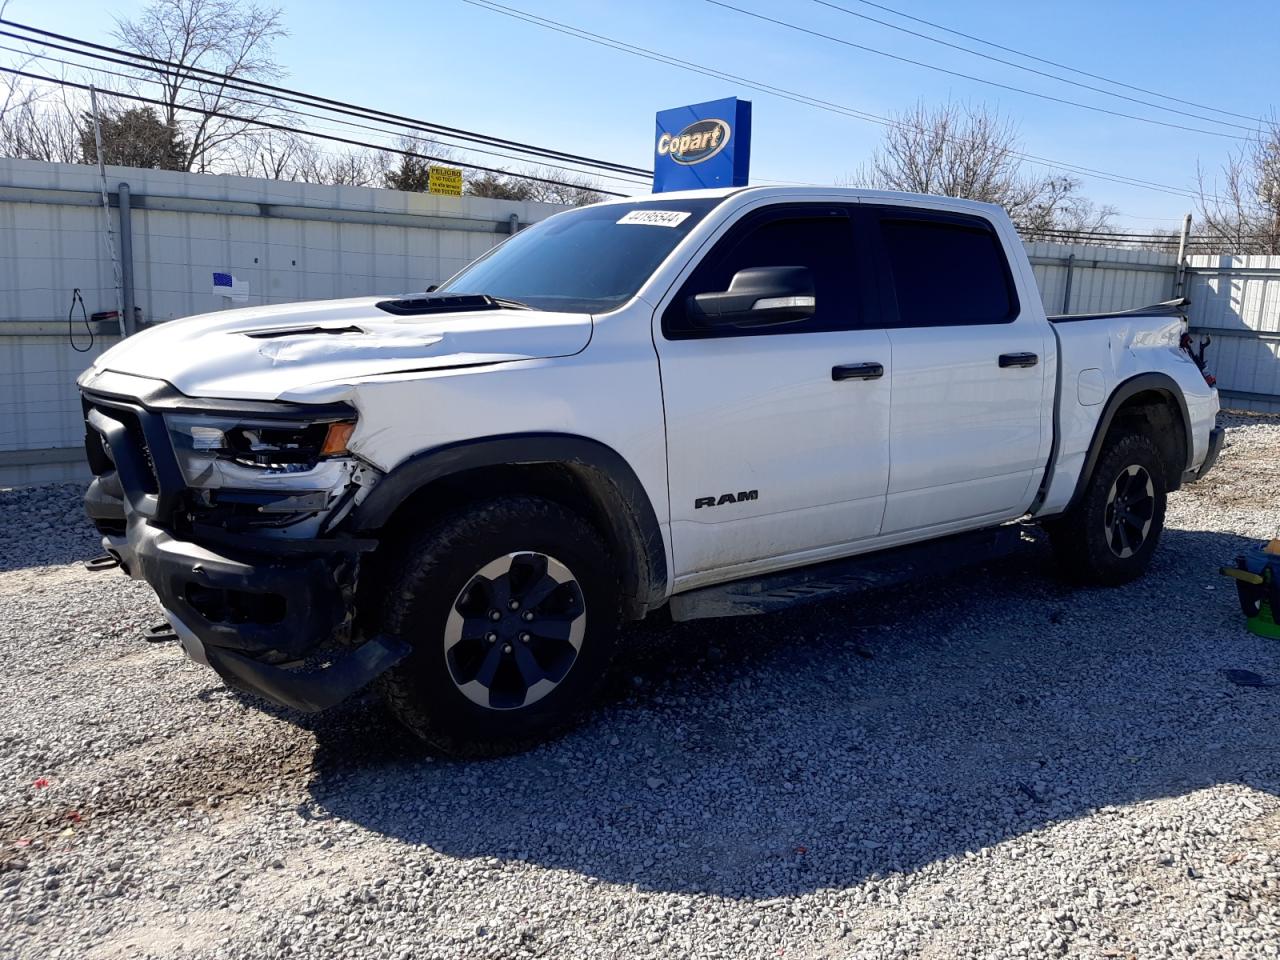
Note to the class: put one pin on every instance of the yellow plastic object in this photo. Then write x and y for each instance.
(1243, 575)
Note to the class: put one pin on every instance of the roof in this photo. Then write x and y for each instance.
(853, 193)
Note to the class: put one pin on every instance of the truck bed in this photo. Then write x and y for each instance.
(1166, 308)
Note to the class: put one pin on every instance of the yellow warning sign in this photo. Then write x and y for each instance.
(445, 180)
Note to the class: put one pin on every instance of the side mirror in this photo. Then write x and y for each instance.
(757, 297)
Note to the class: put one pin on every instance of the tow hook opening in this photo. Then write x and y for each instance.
(236, 606)
(107, 561)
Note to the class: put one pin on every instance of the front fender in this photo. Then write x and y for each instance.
(611, 480)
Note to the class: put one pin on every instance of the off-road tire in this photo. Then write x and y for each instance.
(427, 576)
(1080, 538)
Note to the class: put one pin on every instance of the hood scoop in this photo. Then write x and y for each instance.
(439, 303)
(302, 332)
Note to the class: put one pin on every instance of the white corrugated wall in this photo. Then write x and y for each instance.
(1236, 301)
(1102, 278)
(273, 234)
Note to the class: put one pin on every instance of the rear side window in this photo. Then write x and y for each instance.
(947, 273)
(822, 242)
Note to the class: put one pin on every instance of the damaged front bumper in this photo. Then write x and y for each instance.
(273, 623)
(271, 608)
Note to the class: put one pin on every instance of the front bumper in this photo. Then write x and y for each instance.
(277, 625)
(271, 614)
(1216, 438)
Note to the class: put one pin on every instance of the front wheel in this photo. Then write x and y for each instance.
(512, 610)
(1109, 536)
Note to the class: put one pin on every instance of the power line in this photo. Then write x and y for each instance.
(308, 133)
(1041, 73)
(1055, 63)
(188, 72)
(628, 179)
(968, 76)
(804, 99)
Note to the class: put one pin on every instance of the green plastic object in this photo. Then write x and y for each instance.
(1257, 577)
(1264, 623)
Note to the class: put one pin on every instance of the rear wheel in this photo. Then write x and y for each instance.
(511, 608)
(1110, 535)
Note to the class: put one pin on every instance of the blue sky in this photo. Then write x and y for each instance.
(453, 63)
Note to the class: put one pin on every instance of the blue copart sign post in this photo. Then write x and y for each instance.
(703, 145)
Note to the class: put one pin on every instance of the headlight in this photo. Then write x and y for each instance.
(216, 452)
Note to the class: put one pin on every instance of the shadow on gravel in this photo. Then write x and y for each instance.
(775, 755)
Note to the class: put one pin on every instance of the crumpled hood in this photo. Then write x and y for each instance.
(261, 353)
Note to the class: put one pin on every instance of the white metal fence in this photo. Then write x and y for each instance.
(1236, 301)
(292, 241)
(287, 241)
(1087, 279)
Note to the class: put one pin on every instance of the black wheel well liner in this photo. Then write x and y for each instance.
(1142, 392)
(564, 467)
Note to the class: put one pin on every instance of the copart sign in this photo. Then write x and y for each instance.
(703, 145)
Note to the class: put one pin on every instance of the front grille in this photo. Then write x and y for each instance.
(98, 451)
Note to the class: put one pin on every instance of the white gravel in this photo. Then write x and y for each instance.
(992, 766)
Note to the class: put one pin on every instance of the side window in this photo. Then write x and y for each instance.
(823, 243)
(947, 272)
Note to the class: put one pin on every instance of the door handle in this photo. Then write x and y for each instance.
(858, 371)
(1018, 360)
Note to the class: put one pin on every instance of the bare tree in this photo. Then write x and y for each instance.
(230, 38)
(1060, 208)
(39, 124)
(344, 168)
(291, 155)
(574, 190)
(1241, 209)
(962, 151)
(272, 154)
(36, 123)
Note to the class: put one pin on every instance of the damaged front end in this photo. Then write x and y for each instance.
(230, 510)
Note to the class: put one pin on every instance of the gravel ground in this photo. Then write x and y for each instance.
(998, 766)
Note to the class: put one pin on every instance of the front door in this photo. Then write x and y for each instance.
(777, 437)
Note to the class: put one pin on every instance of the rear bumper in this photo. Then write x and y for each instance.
(1216, 437)
(261, 620)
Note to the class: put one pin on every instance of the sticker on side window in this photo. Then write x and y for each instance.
(656, 218)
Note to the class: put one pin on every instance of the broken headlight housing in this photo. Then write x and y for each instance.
(217, 452)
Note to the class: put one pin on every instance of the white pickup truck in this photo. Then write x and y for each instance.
(716, 402)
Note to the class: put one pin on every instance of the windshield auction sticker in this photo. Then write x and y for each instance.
(656, 218)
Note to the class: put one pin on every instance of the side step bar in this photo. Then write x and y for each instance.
(872, 571)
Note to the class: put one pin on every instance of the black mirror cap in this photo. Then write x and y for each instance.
(757, 296)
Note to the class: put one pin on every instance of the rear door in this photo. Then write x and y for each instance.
(969, 436)
(772, 451)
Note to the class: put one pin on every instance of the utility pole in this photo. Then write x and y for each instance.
(1181, 275)
(125, 324)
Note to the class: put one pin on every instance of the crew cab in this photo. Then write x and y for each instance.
(713, 403)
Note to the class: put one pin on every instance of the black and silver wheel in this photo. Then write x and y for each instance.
(511, 607)
(1131, 506)
(514, 631)
(1109, 535)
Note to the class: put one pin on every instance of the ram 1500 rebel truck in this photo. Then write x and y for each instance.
(715, 402)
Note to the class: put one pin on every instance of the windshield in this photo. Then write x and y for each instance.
(590, 260)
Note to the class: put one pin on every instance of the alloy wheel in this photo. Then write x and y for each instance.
(515, 630)
(1131, 506)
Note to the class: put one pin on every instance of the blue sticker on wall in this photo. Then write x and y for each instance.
(703, 145)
